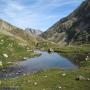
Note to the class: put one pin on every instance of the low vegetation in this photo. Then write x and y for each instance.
(55, 79)
(16, 44)
(12, 50)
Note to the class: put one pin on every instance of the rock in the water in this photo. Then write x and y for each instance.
(50, 50)
(25, 58)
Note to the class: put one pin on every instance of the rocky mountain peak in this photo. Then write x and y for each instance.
(71, 27)
(33, 31)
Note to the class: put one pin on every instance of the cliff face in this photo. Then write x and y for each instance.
(75, 27)
(33, 31)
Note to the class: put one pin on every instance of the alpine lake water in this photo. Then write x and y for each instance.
(43, 62)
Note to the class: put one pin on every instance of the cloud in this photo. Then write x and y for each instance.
(40, 14)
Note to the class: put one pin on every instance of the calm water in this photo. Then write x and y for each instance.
(46, 61)
(43, 62)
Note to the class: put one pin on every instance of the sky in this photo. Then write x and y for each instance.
(37, 14)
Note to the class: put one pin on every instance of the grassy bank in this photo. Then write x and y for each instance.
(82, 48)
(12, 50)
(50, 80)
(85, 48)
(54, 79)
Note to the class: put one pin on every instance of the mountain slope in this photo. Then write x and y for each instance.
(33, 31)
(22, 35)
(72, 27)
(15, 43)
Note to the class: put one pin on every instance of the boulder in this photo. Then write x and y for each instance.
(87, 58)
(25, 58)
(50, 50)
(5, 55)
(35, 83)
(63, 74)
(80, 78)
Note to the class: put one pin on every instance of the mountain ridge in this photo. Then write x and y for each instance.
(11, 30)
(74, 24)
(34, 32)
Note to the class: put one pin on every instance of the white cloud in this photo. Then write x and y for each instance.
(37, 15)
(12, 8)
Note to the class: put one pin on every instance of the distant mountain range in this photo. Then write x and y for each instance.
(74, 27)
(27, 36)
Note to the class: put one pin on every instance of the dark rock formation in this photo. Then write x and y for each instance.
(75, 27)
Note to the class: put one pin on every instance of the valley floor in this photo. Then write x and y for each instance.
(54, 79)
(50, 80)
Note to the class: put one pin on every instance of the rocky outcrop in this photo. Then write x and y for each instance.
(33, 31)
(76, 26)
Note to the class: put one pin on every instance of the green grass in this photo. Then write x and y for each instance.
(46, 80)
(53, 81)
(85, 64)
(15, 50)
(45, 45)
(83, 48)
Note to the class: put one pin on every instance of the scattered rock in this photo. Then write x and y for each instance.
(2, 40)
(5, 55)
(9, 62)
(63, 74)
(0, 82)
(80, 78)
(45, 76)
(17, 73)
(35, 83)
(44, 89)
(1, 64)
(25, 58)
(87, 58)
(88, 79)
(59, 87)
